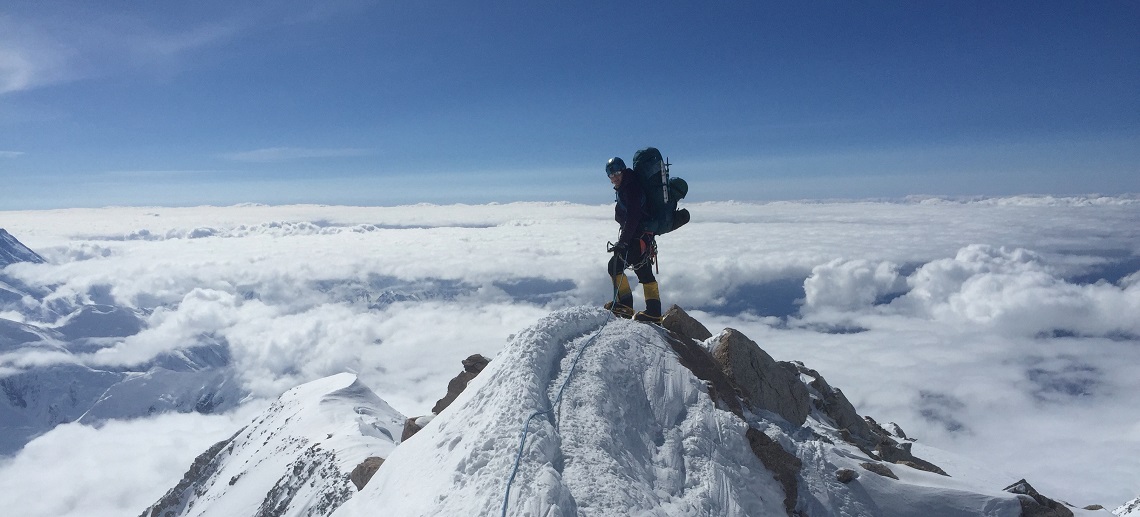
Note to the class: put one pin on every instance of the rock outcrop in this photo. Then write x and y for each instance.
(879, 469)
(1033, 504)
(785, 466)
(203, 467)
(739, 374)
(471, 367)
(1129, 509)
(679, 322)
(363, 473)
(474, 364)
(683, 340)
(765, 383)
(833, 403)
(724, 387)
(846, 475)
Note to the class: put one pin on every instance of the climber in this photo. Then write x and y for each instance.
(634, 248)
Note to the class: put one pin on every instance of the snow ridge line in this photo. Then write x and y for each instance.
(557, 403)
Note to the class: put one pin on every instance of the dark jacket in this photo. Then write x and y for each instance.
(629, 211)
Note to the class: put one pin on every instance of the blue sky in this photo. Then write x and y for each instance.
(379, 103)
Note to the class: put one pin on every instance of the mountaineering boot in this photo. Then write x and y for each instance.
(621, 310)
(652, 312)
(623, 306)
(643, 316)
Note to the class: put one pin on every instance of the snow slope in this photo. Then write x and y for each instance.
(1129, 509)
(631, 431)
(633, 434)
(50, 373)
(13, 251)
(294, 459)
(36, 398)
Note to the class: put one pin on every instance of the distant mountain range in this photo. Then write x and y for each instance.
(13, 251)
(39, 397)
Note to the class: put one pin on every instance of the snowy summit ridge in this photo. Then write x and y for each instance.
(294, 459)
(586, 414)
(13, 251)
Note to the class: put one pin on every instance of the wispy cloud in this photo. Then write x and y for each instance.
(29, 56)
(11, 154)
(43, 45)
(282, 154)
(42, 49)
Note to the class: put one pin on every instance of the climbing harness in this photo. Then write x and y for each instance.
(649, 257)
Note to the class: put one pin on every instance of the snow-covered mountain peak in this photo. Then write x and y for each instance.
(293, 459)
(13, 251)
(332, 410)
(621, 418)
(586, 414)
(629, 431)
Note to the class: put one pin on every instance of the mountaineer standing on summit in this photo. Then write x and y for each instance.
(634, 248)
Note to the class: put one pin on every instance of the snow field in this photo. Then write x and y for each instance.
(634, 435)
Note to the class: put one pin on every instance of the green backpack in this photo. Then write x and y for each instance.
(661, 192)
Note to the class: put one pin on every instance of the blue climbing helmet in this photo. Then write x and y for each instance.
(614, 166)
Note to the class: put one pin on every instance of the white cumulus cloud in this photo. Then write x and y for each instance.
(850, 284)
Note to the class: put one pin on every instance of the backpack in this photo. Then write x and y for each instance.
(661, 192)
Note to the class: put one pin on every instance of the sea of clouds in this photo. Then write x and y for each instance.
(1005, 330)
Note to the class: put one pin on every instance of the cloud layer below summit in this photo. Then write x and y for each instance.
(1000, 329)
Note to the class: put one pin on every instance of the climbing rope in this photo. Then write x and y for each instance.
(557, 403)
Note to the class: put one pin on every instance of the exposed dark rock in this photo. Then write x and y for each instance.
(894, 429)
(738, 372)
(315, 467)
(895, 452)
(876, 428)
(1033, 504)
(363, 473)
(475, 363)
(765, 384)
(834, 404)
(846, 475)
(471, 367)
(410, 428)
(1128, 508)
(879, 469)
(721, 388)
(785, 466)
(454, 388)
(684, 332)
(205, 465)
(679, 321)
